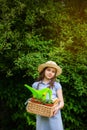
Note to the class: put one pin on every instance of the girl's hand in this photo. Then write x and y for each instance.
(55, 111)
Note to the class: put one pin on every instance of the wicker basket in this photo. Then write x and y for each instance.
(40, 109)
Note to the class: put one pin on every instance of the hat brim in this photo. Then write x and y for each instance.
(43, 66)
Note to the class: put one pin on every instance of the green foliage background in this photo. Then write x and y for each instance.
(32, 32)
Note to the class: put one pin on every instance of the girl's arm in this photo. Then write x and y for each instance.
(60, 96)
(61, 104)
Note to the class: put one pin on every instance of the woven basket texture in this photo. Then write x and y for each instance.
(40, 109)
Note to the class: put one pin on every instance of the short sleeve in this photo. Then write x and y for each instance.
(35, 84)
(57, 85)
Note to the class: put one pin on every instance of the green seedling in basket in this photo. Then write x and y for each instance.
(40, 94)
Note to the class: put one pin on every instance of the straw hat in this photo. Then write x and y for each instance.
(50, 64)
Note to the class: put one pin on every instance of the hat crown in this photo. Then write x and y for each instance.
(51, 62)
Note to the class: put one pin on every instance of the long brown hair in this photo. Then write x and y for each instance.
(41, 77)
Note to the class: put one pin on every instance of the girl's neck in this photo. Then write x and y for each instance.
(45, 80)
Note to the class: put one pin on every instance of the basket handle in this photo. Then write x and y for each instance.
(27, 101)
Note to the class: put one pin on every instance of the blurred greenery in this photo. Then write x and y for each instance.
(32, 32)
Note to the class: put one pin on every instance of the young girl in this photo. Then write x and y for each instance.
(48, 72)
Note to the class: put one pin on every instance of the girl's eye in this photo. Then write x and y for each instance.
(48, 69)
(52, 70)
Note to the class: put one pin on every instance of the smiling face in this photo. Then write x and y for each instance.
(50, 73)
